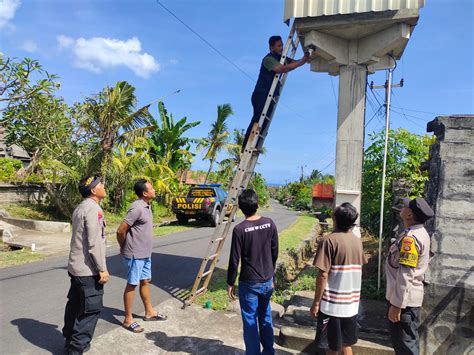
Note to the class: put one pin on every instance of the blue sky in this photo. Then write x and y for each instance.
(90, 44)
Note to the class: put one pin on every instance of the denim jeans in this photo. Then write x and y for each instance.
(254, 301)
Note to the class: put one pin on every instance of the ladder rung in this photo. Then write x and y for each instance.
(212, 256)
(217, 240)
(199, 291)
(206, 273)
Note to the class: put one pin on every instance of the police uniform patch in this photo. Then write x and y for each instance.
(408, 252)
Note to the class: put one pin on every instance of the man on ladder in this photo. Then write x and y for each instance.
(250, 152)
(270, 65)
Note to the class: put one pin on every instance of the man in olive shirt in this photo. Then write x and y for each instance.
(405, 269)
(135, 237)
(86, 267)
(269, 67)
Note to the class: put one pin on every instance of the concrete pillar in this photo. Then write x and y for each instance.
(350, 134)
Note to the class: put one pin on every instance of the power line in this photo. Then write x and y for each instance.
(425, 112)
(327, 166)
(333, 91)
(371, 118)
(205, 41)
(210, 45)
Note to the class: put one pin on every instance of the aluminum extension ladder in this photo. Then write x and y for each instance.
(243, 174)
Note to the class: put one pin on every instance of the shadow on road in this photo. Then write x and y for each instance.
(49, 336)
(43, 335)
(191, 345)
(173, 274)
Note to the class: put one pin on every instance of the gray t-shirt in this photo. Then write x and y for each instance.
(139, 241)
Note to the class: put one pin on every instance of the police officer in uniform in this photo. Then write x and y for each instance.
(269, 67)
(86, 268)
(405, 267)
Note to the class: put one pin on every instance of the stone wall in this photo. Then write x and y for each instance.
(22, 193)
(448, 317)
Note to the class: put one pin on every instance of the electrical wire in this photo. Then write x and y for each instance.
(206, 41)
(327, 166)
(210, 45)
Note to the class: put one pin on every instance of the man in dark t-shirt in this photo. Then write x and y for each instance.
(269, 67)
(255, 245)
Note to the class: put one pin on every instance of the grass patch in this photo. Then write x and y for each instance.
(291, 237)
(306, 281)
(217, 291)
(34, 211)
(170, 229)
(10, 257)
(369, 270)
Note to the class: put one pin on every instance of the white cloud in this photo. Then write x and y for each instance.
(29, 46)
(7, 11)
(98, 53)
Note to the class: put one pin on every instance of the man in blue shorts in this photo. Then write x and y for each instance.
(135, 237)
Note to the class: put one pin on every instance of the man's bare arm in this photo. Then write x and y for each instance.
(321, 282)
(122, 233)
(291, 66)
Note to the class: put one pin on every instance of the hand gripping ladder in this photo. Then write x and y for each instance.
(243, 174)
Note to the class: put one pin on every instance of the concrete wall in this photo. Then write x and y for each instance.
(448, 317)
(21, 193)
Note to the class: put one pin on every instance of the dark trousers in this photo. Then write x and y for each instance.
(82, 311)
(258, 103)
(404, 334)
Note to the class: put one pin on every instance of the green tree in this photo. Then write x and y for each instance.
(9, 168)
(168, 142)
(228, 166)
(111, 118)
(406, 151)
(16, 84)
(218, 137)
(42, 126)
(259, 185)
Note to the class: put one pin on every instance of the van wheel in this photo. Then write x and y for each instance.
(215, 218)
(182, 219)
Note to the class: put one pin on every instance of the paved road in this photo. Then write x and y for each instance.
(33, 295)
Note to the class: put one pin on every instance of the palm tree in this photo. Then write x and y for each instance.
(227, 166)
(112, 118)
(218, 137)
(167, 140)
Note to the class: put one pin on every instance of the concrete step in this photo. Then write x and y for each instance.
(302, 340)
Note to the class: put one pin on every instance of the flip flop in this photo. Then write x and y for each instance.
(134, 327)
(158, 317)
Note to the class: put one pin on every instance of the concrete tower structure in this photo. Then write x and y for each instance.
(352, 38)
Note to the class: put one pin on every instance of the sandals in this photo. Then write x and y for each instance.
(158, 317)
(134, 327)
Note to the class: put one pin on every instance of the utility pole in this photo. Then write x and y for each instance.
(302, 173)
(388, 90)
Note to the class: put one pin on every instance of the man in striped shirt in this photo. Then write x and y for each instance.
(339, 260)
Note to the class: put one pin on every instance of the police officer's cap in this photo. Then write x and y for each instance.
(419, 207)
(87, 184)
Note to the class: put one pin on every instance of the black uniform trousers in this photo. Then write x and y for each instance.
(82, 311)
(258, 103)
(404, 334)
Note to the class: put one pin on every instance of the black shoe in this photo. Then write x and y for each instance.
(69, 350)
